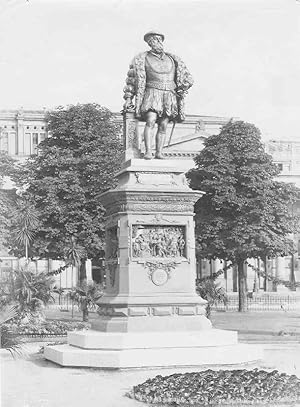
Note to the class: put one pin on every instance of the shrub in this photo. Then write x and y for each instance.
(29, 290)
(210, 291)
(86, 297)
(8, 340)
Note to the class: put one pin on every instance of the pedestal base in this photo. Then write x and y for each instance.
(107, 350)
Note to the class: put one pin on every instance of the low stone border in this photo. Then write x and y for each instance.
(47, 339)
(28, 338)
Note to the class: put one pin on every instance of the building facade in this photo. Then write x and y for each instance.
(21, 131)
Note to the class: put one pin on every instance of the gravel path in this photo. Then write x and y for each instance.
(35, 382)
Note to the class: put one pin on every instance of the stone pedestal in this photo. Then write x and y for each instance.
(150, 314)
(150, 251)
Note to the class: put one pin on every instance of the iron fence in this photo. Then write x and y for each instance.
(65, 303)
(264, 302)
(260, 302)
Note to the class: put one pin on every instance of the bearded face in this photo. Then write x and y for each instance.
(156, 43)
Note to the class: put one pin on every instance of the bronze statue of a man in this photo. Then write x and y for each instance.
(159, 82)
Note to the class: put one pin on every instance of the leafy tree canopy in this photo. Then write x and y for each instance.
(6, 165)
(245, 212)
(7, 197)
(73, 167)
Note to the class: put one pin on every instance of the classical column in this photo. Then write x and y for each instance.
(20, 133)
(88, 266)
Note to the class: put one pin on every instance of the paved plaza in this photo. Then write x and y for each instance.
(34, 382)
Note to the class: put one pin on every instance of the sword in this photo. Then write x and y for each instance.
(172, 131)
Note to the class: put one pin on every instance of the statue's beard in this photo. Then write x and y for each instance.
(157, 48)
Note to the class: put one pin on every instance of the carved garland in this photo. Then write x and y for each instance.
(151, 207)
(154, 267)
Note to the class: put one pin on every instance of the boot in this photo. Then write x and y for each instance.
(160, 141)
(147, 138)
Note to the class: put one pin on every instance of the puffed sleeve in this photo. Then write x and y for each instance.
(129, 89)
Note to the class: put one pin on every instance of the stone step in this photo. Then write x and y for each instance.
(237, 354)
(140, 340)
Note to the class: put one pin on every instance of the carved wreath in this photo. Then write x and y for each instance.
(153, 266)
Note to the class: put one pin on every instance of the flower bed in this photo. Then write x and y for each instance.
(220, 388)
(45, 328)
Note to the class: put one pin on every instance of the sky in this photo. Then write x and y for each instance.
(244, 55)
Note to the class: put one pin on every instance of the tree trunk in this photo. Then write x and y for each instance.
(208, 310)
(292, 274)
(242, 287)
(82, 272)
(83, 286)
(85, 311)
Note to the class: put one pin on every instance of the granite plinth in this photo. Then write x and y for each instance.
(129, 351)
(143, 340)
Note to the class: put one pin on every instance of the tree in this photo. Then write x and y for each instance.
(30, 291)
(7, 197)
(8, 340)
(6, 165)
(244, 213)
(23, 226)
(211, 291)
(64, 180)
(18, 218)
(86, 297)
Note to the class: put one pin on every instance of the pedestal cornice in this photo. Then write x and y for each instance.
(149, 201)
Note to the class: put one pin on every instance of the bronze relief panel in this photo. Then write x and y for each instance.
(159, 241)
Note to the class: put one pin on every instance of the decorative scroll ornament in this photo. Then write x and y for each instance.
(159, 273)
(158, 218)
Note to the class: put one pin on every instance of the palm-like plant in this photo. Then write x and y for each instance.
(211, 291)
(86, 297)
(30, 291)
(24, 224)
(74, 255)
(8, 340)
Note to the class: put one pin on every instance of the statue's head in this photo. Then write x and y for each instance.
(155, 40)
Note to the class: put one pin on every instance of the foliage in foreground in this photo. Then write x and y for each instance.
(223, 387)
(8, 340)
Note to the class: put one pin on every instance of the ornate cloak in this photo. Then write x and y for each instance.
(136, 83)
